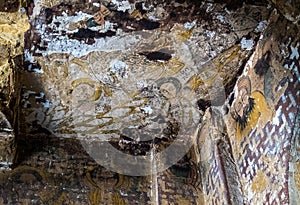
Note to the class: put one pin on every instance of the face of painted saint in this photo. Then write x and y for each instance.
(243, 106)
(241, 102)
(168, 90)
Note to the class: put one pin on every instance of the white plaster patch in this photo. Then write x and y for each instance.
(28, 56)
(210, 34)
(104, 28)
(222, 19)
(247, 44)
(122, 193)
(47, 104)
(283, 124)
(96, 4)
(122, 5)
(147, 110)
(189, 25)
(145, 7)
(293, 101)
(261, 26)
(277, 116)
(213, 54)
(119, 68)
(209, 7)
(40, 96)
(133, 126)
(62, 44)
(141, 85)
(295, 53)
(62, 23)
(37, 8)
(153, 18)
(5, 165)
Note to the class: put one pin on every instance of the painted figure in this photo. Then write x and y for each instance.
(249, 109)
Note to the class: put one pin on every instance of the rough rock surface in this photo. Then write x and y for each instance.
(290, 9)
(12, 29)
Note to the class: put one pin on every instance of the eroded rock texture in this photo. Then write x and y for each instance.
(215, 82)
(12, 29)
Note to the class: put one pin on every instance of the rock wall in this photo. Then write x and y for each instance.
(13, 24)
(289, 9)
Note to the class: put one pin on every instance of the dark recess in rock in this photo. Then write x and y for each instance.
(139, 6)
(124, 19)
(203, 104)
(33, 38)
(231, 99)
(157, 55)
(262, 65)
(84, 33)
(29, 7)
(9, 5)
(149, 25)
(132, 147)
(48, 15)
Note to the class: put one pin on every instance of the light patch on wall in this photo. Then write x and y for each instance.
(147, 110)
(247, 44)
(28, 56)
(295, 53)
(122, 5)
(62, 44)
(62, 23)
(5, 165)
(261, 26)
(189, 25)
(277, 116)
(119, 68)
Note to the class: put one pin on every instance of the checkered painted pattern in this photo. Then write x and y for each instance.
(273, 142)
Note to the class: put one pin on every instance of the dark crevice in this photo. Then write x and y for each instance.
(157, 56)
(263, 64)
(129, 145)
(9, 5)
(84, 33)
(203, 104)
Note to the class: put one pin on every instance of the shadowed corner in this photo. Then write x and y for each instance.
(9, 5)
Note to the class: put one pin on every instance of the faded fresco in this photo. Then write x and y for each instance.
(149, 102)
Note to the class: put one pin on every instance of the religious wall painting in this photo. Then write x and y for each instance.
(249, 109)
